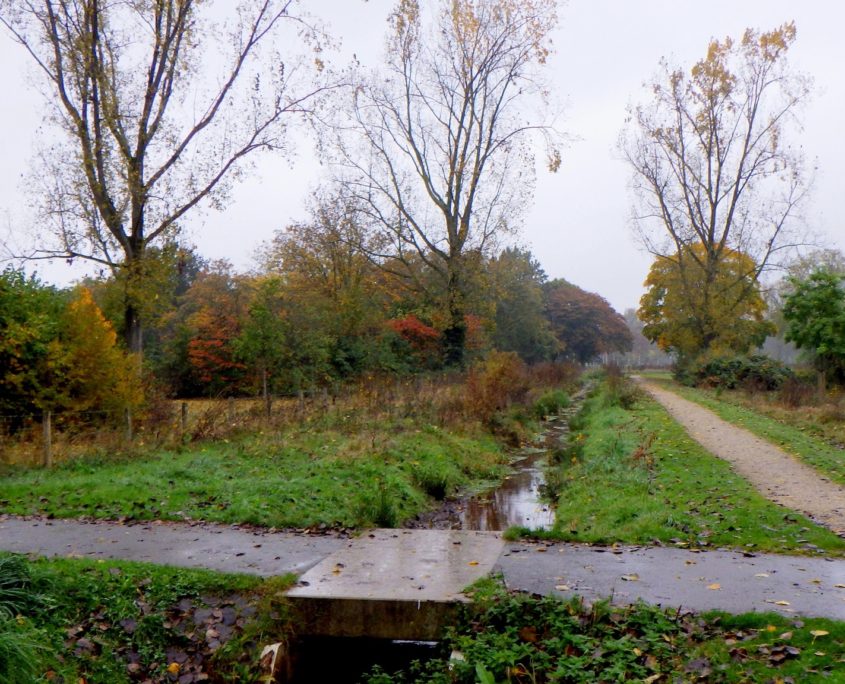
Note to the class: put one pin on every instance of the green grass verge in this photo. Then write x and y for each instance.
(795, 439)
(518, 638)
(376, 476)
(634, 476)
(113, 622)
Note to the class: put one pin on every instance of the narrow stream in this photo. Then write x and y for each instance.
(518, 501)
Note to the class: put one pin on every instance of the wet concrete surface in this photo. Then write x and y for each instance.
(393, 584)
(215, 547)
(709, 580)
(404, 564)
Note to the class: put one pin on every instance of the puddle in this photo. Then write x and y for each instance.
(516, 502)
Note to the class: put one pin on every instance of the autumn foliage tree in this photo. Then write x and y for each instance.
(584, 323)
(91, 370)
(146, 134)
(59, 353)
(717, 178)
(688, 309)
(437, 152)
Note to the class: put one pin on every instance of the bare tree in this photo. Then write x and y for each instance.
(715, 169)
(438, 151)
(158, 108)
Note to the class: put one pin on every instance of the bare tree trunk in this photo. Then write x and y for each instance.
(265, 390)
(454, 336)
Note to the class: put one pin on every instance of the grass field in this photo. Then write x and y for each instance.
(378, 474)
(632, 475)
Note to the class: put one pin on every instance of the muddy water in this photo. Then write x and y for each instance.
(518, 501)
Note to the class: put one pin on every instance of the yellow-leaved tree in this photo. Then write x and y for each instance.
(690, 307)
(91, 372)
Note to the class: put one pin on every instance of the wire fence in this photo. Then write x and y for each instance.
(49, 437)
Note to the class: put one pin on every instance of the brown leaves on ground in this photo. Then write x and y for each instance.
(196, 628)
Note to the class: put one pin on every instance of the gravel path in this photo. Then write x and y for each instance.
(777, 475)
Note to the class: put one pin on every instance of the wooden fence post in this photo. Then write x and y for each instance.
(231, 410)
(48, 439)
(183, 420)
(127, 417)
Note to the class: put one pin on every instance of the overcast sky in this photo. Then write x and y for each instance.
(577, 225)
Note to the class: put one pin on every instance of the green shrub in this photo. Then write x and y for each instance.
(435, 480)
(756, 372)
(619, 390)
(551, 403)
(378, 506)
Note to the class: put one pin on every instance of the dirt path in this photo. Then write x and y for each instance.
(777, 475)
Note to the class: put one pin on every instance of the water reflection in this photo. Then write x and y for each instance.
(517, 502)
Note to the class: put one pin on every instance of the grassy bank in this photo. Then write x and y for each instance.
(113, 622)
(377, 474)
(814, 434)
(517, 638)
(632, 475)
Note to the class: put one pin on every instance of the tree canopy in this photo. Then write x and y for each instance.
(146, 134)
(688, 310)
(815, 318)
(436, 152)
(716, 175)
(585, 325)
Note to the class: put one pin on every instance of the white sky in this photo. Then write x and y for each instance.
(578, 223)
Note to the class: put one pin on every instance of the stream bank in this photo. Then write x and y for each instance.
(519, 500)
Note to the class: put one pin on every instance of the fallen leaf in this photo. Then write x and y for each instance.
(637, 652)
(714, 587)
(819, 633)
(528, 634)
(562, 587)
(782, 603)
(839, 586)
(820, 654)
(633, 577)
(815, 580)
(473, 563)
(762, 574)
(174, 668)
(651, 679)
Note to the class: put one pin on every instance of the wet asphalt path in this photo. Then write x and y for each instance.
(723, 580)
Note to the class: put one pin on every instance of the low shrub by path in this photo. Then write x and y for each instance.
(634, 476)
(299, 478)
